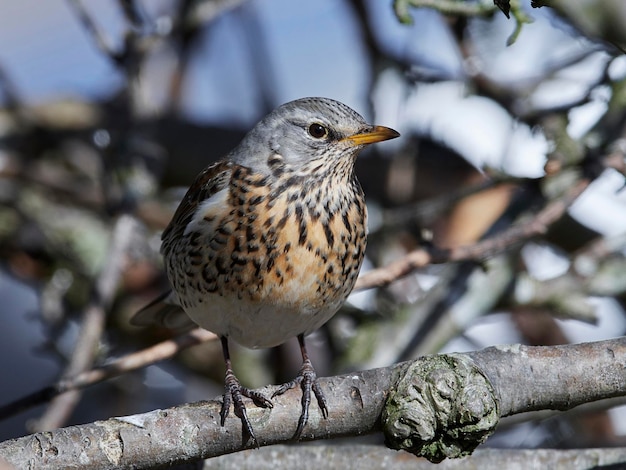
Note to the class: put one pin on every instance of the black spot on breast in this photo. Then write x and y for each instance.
(302, 224)
(221, 265)
(224, 230)
(208, 278)
(346, 222)
(330, 237)
(238, 260)
(257, 267)
(237, 245)
(253, 201)
(250, 235)
(283, 221)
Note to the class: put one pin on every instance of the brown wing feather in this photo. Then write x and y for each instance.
(164, 310)
(212, 179)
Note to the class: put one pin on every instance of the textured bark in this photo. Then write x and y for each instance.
(554, 377)
(445, 406)
(460, 388)
(371, 457)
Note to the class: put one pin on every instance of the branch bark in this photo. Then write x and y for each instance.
(372, 457)
(521, 379)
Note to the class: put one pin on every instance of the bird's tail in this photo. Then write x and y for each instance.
(164, 311)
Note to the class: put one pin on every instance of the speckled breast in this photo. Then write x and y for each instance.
(293, 246)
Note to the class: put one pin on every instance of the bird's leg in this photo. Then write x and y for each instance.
(234, 392)
(307, 379)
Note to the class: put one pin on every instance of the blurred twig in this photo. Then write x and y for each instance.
(132, 12)
(446, 7)
(92, 324)
(114, 368)
(421, 257)
(94, 32)
(424, 213)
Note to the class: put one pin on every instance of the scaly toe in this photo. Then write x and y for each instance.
(234, 394)
(307, 379)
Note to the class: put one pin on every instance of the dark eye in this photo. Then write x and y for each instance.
(318, 131)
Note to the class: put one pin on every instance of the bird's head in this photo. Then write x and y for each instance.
(306, 134)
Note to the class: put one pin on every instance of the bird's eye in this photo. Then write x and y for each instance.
(318, 131)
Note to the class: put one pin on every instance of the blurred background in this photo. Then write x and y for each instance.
(108, 109)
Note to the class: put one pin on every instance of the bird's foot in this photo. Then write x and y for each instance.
(307, 379)
(234, 393)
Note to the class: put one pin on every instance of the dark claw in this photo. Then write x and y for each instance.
(307, 379)
(234, 393)
(321, 399)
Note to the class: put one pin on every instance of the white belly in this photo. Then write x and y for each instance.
(256, 325)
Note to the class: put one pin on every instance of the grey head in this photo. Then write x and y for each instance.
(305, 131)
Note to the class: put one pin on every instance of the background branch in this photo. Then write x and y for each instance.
(535, 225)
(137, 360)
(92, 324)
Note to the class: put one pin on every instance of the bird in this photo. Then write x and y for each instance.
(267, 243)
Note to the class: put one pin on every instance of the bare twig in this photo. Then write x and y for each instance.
(92, 324)
(132, 12)
(123, 365)
(422, 257)
(94, 32)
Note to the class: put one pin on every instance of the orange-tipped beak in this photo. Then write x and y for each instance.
(375, 134)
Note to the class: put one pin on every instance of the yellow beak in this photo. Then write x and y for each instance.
(375, 134)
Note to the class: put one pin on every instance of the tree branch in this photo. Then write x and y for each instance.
(441, 405)
(373, 457)
(422, 257)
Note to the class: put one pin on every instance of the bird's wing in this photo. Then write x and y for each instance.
(163, 311)
(210, 181)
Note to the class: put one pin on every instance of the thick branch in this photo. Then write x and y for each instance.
(522, 378)
(372, 457)
(554, 377)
